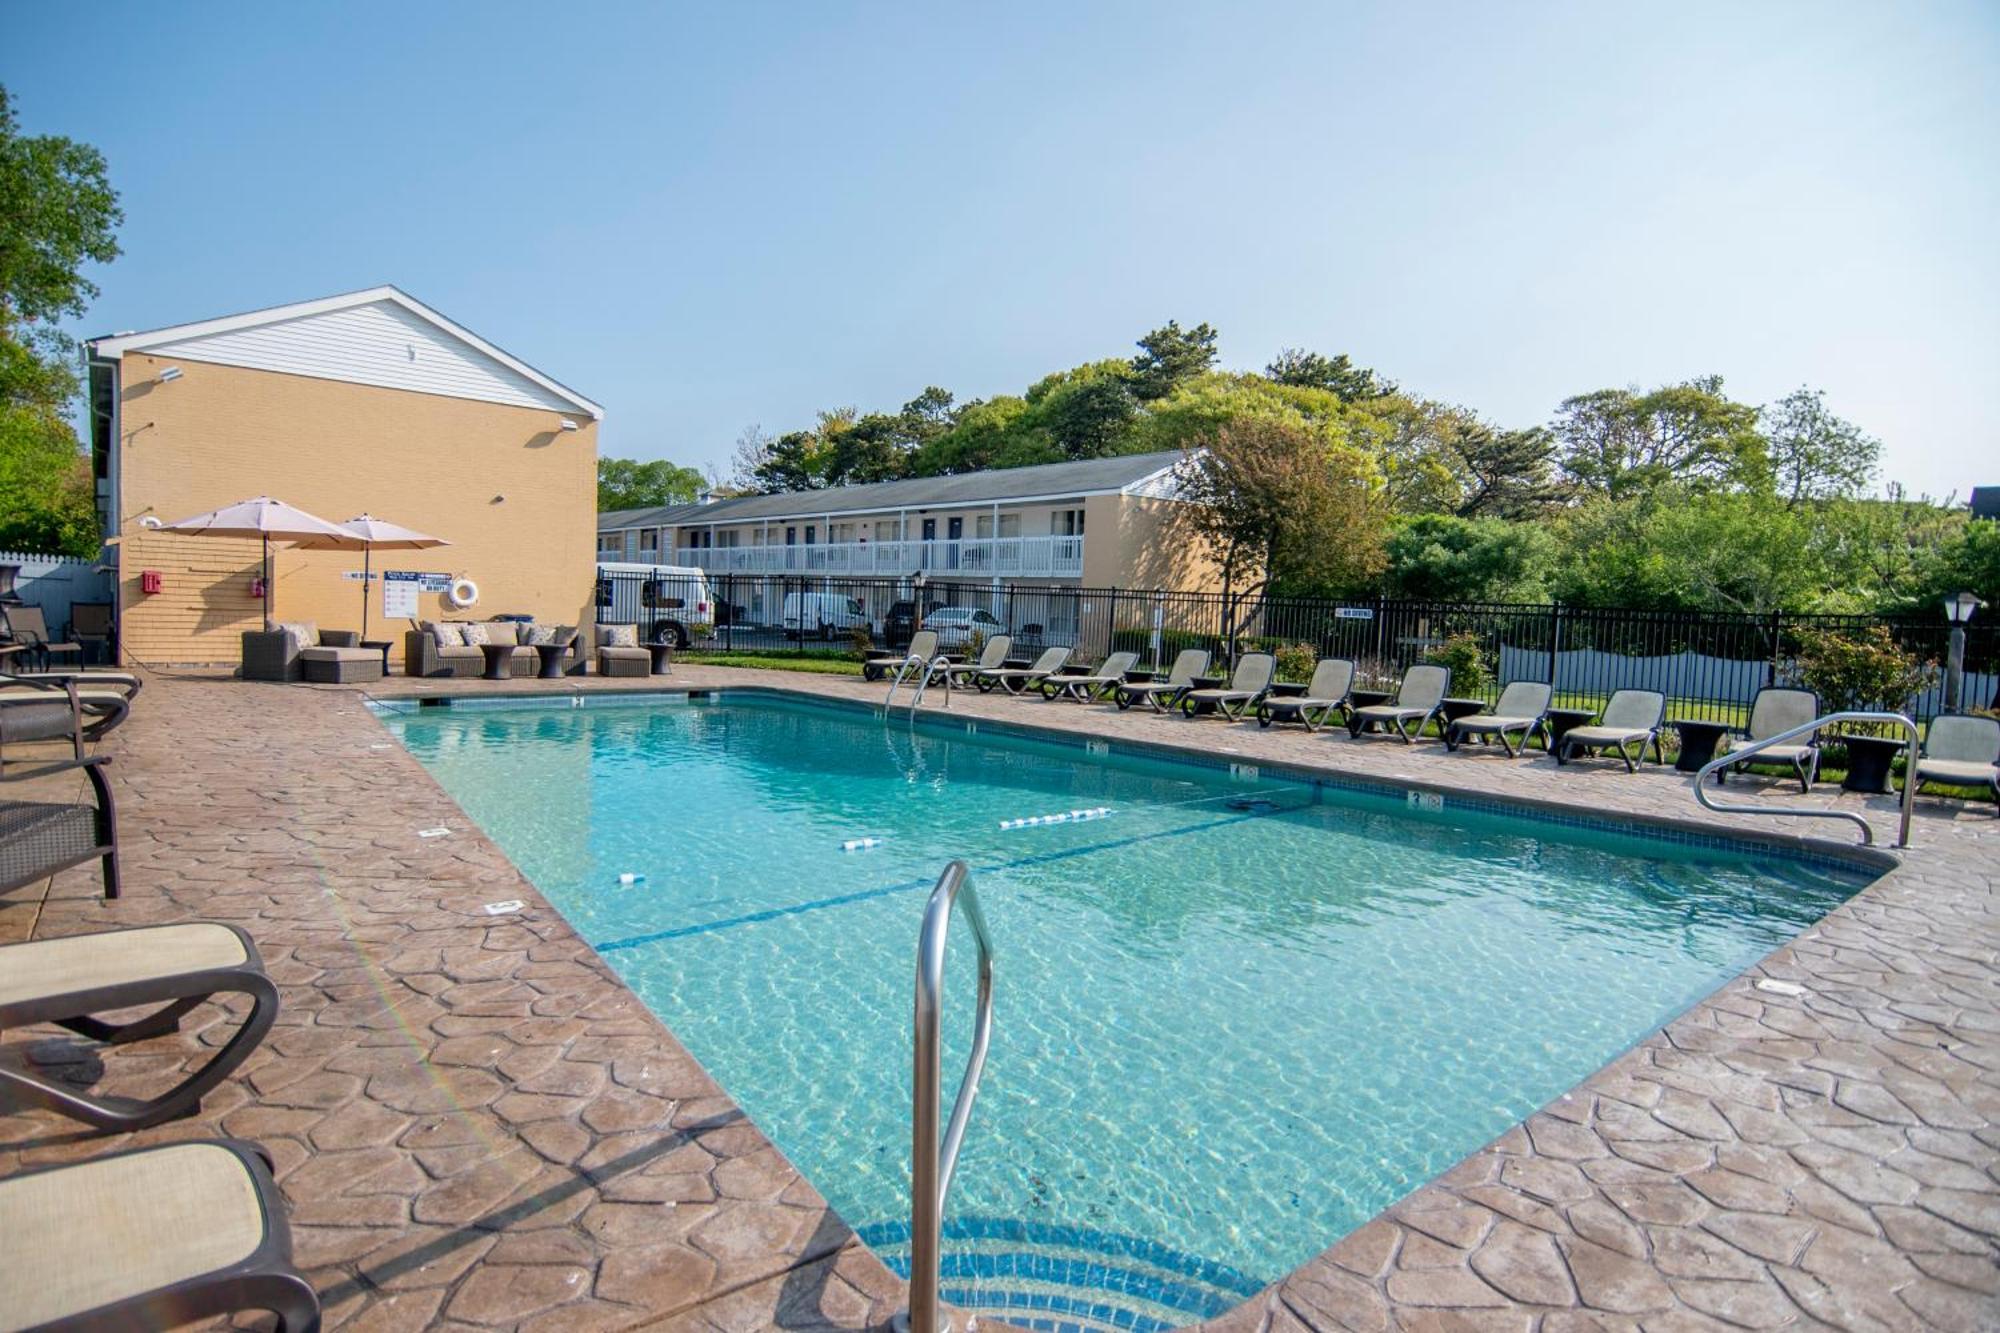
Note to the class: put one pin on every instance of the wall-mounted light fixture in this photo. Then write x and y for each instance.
(170, 374)
(566, 423)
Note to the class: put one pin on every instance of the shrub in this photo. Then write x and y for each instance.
(1467, 660)
(860, 642)
(1295, 662)
(1137, 639)
(1861, 670)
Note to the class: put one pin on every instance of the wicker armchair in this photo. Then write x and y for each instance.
(38, 838)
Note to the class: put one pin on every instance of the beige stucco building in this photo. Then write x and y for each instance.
(1097, 523)
(368, 402)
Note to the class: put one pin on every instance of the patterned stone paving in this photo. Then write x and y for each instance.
(476, 1127)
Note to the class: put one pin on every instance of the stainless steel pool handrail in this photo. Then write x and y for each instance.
(931, 1164)
(938, 667)
(925, 671)
(1807, 729)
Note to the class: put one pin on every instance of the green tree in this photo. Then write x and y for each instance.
(625, 483)
(1279, 503)
(1675, 549)
(1337, 375)
(58, 212)
(1439, 557)
(1622, 443)
(1169, 356)
(1090, 418)
(1815, 455)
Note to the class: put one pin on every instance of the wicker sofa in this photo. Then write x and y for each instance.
(300, 650)
(425, 655)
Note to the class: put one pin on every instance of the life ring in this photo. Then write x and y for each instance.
(461, 594)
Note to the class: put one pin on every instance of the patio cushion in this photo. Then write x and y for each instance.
(341, 655)
(476, 634)
(618, 636)
(1605, 735)
(625, 654)
(446, 635)
(503, 632)
(539, 635)
(1958, 772)
(302, 633)
(106, 1230)
(112, 958)
(460, 653)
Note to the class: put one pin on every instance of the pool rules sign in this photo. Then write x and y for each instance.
(399, 594)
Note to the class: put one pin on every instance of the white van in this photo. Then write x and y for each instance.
(669, 603)
(822, 614)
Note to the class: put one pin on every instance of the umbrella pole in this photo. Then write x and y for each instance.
(268, 590)
(367, 577)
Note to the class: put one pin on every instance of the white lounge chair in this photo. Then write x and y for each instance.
(1778, 709)
(1418, 700)
(1016, 679)
(1084, 686)
(992, 656)
(1326, 694)
(1631, 718)
(1523, 709)
(1246, 689)
(1961, 751)
(1188, 663)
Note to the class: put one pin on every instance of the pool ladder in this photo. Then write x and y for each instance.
(937, 668)
(1806, 729)
(931, 1163)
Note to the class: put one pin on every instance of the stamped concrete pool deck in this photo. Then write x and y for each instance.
(476, 1126)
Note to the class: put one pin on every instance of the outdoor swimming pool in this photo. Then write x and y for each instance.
(1226, 1031)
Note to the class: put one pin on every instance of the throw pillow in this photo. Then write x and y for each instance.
(475, 634)
(621, 636)
(448, 635)
(302, 633)
(541, 635)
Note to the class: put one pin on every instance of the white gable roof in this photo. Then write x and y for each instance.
(381, 336)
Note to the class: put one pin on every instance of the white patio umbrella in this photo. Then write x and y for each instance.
(376, 534)
(268, 520)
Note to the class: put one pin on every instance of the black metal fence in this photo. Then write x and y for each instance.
(1708, 664)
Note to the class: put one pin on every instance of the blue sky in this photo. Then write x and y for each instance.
(722, 215)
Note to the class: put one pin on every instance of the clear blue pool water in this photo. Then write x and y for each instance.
(1223, 1036)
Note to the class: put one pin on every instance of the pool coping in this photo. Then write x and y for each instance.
(1484, 1237)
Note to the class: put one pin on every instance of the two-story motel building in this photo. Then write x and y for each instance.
(1098, 523)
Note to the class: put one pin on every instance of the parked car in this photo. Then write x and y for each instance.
(900, 622)
(822, 615)
(958, 627)
(674, 605)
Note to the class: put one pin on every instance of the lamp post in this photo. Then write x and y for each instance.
(1958, 610)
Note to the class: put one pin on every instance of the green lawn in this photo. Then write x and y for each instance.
(821, 663)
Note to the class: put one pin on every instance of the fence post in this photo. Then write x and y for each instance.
(1777, 640)
(1555, 644)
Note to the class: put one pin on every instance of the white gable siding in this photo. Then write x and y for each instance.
(379, 343)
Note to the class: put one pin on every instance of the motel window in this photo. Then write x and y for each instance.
(611, 546)
(1066, 523)
(1010, 525)
(729, 538)
(649, 541)
(888, 530)
(840, 532)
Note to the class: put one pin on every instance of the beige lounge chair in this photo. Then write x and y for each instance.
(1418, 699)
(1244, 692)
(1523, 709)
(1961, 751)
(1188, 663)
(992, 656)
(1326, 694)
(1631, 718)
(102, 704)
(155, 1237)
(1017, 679)
(1775, 710)
(1084, 686)
(170, 969)
(923, 646)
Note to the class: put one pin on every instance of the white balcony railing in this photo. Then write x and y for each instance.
(975, 557)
